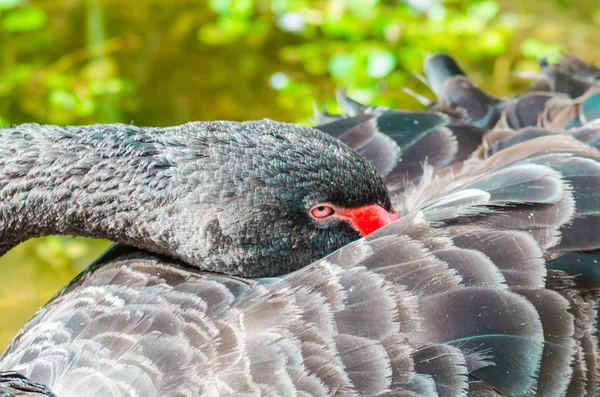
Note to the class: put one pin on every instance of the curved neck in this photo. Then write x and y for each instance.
(116, 182)
(222, 196)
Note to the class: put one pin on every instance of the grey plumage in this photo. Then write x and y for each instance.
(398, 142)
(487, 286)
(222, 196)
(361, 321)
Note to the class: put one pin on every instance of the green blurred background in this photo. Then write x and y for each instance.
(156, 62)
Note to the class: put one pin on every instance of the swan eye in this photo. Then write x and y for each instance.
(322, 211)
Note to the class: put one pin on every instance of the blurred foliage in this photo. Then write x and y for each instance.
(157, 63)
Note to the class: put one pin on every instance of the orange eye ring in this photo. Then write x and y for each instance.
(322, 211)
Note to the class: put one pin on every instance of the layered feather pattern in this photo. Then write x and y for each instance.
(411, 310)
(399, 142)
(487, 285)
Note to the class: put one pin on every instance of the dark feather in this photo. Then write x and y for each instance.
(447, 367)
(559, 345)
(586, 265)
(571, 75)
(438, 69)
(481, 109)
(512, 338)
(454, 90)
(487, 285)
(398, 143)
(13, 384)
(525, 112)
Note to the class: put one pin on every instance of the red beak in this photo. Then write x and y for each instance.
(368, 218)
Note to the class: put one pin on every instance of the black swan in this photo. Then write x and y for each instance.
(486, 285)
